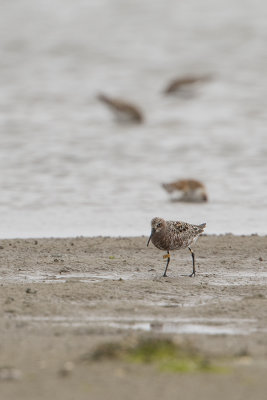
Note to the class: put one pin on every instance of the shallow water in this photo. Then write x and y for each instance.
(201, 326)
(241, 278)
(67, 168)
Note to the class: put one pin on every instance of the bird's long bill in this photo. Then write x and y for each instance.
(152, 233)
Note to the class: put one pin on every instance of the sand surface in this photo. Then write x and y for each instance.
(61, 298)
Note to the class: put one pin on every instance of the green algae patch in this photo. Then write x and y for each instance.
(164, 354)
(168, 356)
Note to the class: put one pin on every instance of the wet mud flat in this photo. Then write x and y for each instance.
(65, 300)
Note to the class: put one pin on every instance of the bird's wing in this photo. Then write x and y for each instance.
(184, 229)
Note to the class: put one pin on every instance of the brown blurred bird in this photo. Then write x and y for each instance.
(191, 190)
(184, 83)
(123, 110)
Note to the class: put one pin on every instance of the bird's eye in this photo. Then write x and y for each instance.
(159, 225)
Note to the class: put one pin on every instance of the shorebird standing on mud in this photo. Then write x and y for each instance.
(191, 190)
(174, 235)
(123, 110)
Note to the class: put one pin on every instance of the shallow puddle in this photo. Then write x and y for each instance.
(228, 279)
(206, 329)
(241, 278)
(64, 277)
(200, 326)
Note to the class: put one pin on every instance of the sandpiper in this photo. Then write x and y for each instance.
(174, 235)
(123, 110)
(191, 190)
(183, 84)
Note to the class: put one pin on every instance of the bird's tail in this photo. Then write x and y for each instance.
(202, 226)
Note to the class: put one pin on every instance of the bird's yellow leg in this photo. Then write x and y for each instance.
(168, 260)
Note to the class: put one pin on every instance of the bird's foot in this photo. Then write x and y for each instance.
(192, 275)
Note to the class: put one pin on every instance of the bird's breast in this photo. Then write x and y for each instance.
(162, 241)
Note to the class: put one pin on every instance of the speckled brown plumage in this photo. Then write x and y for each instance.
(174, 235)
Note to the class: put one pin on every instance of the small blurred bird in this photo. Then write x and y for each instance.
(123, 110)
(184, 84)
(191, 190)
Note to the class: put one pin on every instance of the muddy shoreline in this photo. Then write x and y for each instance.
(61, 298)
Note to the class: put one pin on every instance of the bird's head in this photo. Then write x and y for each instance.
(157, 225)
(168, 187)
